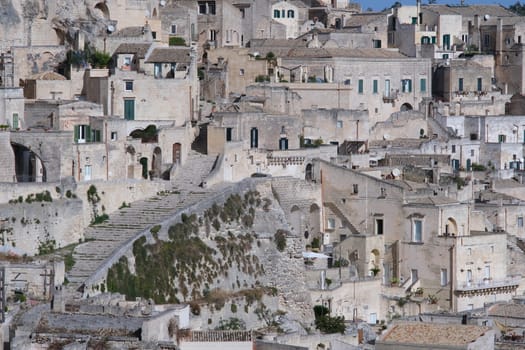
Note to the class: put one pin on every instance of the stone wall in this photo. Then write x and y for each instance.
(30, 226)
(7, 159)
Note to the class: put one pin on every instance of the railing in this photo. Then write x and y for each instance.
(490, 283)
(391, 97)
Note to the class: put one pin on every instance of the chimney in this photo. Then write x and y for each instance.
(499, 38)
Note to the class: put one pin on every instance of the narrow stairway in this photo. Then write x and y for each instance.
(103, 239)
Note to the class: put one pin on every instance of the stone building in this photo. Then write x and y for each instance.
(464, 266)
(379, 80)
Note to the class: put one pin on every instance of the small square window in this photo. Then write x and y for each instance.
(330, 223)
(129, 85)
(113, 136)
(339, 124)
(241, 71)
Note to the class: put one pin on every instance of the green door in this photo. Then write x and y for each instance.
(129, 109)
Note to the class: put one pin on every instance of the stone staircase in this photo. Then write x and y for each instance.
(103, 239)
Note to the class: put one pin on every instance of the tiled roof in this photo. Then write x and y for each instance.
(470, 11)
(344, 52)
(434, 333)
(130, 32)
(169, 55)
(49, 75)
(138, 49)
(362, 19)
(508, 310)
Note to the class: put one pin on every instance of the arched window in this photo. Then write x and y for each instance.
(276, 14)
(291, 14)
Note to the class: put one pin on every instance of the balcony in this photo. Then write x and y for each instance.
(389, 98)
(489, 286)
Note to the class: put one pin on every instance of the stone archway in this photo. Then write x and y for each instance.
(156, 163)
(406, 107)
(176, 157)
(28, 165)
(103, 9)
(451, 227)
(144, 163)
(308, 173)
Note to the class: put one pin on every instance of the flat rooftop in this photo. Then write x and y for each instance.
(434, 333)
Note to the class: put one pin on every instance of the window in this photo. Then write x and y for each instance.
(206, 7)
(173, 29)
(348, 82)
(502, 138)
(520, 221)
(241, 71)
(487, 272)
(469, 251)
(453, 148)
(472, 152)
(283, 143)
(387, 87)
(229, 134)
(276, 14)
(473, 137)
(330, 223)
(114, 136)
(127, 61)
(519, 39)
(414, 20)
(486, 40)
(379, 226)
(469, 277)
(82, 133)
(129, 109)
(128, 85)
(339, 124)
(383, 192)
(291, 14)
(212, 35)
(417, 231)
(15, 121)
(444, 277)
(154, 35)
(376, 44)
(355, 188)
(423, 85)
(406, 85)
(360, 86)
(375, 86)
(480, 84)
(446, 41)
(460, 84)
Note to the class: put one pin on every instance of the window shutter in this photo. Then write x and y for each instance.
(76, 133)
(88, 133)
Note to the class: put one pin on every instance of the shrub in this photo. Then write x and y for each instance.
(280, 240)
(177, 41)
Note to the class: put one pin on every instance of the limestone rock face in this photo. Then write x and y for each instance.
(49, 23)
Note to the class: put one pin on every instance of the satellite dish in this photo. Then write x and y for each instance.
(110, 28)
(396, 172)
(486, 17)
(162, 3)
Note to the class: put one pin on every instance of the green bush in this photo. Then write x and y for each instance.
(99, 59)
(177, 41)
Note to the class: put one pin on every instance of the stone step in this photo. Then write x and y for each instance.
(126, 223)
